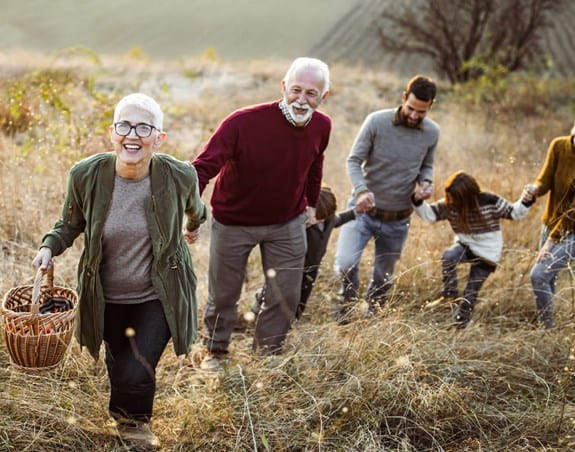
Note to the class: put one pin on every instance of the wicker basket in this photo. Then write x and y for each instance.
(37, 341)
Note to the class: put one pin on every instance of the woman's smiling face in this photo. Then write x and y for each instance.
(132, 149)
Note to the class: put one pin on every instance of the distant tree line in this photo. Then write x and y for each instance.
(464, 37)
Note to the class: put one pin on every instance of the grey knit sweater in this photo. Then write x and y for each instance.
(127, 246)
(388, 158)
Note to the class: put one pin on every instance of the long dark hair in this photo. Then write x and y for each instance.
(462, 196)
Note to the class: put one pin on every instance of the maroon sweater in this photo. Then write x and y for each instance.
(269, 170)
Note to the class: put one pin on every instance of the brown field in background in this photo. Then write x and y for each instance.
(404, 381)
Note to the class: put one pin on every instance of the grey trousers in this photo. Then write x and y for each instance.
(282, 248)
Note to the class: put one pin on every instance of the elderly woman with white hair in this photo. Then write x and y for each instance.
(136, 282)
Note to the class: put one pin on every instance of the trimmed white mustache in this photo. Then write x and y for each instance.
(300, 106)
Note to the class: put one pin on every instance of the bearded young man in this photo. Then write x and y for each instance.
(392, 154)
(269, 158)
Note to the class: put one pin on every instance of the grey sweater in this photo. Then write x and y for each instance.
(388, 158)
(126, 244)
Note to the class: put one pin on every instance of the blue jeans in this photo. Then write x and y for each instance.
(389, 238)
(545, 231)
(544, 274)
(132, 361)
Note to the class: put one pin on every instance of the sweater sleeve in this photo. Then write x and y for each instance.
(360, 150)
(344, 217)
(71, 223)
(218, 150)
(515, 211)
(431, 212)
(547, 173)
(196, 211)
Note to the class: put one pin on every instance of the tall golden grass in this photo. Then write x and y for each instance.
(402, 381)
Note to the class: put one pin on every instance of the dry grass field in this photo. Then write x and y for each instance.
(403, 381)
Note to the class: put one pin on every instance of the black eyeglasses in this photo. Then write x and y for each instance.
(142, 129)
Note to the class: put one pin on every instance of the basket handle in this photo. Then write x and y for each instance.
(35, 308)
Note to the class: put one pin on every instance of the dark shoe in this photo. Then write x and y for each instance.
(463, 315)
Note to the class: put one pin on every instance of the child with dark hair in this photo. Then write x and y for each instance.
(317, 240)
(475, 217)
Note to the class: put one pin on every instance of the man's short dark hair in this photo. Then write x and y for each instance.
(422, 87)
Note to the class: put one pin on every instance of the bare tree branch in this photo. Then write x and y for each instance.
(458, 34)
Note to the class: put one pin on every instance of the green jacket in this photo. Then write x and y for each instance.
(174, 193)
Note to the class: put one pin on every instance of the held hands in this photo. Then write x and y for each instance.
(529, 194)
(43, 259)
(424, 191)
(365, 202)
(311, 219)
(191, 236)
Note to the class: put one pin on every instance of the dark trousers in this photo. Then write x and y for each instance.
(132, 356)
(478, 272)
(308, 280)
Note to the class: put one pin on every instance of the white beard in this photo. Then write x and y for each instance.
(300, 119)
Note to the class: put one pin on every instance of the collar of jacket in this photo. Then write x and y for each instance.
(106, 188)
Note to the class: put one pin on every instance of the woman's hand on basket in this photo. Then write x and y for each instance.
(43, 259)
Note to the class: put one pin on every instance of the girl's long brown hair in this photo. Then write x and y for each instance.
(462, 196)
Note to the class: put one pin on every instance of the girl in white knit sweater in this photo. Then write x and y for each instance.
(475, 218)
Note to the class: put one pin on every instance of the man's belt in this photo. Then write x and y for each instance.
(389, 215)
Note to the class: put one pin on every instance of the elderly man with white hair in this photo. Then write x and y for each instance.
(269, 159)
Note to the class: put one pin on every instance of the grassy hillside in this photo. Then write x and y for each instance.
(337, 30)
(402, 381)
(234, 29)
(354, 39)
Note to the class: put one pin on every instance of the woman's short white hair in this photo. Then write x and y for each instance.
(143, 102)
(309, 63)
